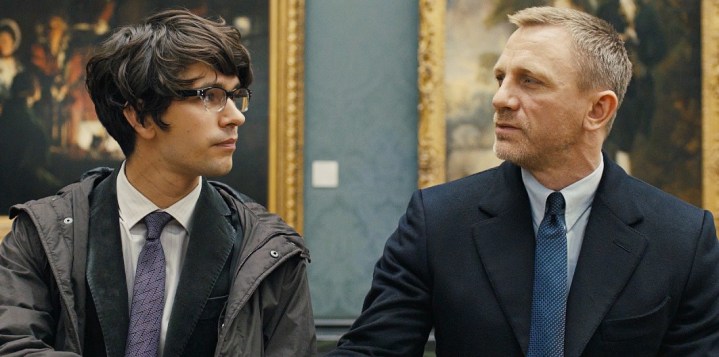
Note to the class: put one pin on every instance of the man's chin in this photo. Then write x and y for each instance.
(219, 170)
(503, 151)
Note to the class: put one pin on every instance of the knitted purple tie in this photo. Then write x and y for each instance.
(148, 295)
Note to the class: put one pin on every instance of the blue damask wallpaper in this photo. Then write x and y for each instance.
(360, 110)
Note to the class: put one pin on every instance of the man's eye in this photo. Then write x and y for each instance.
(529, 80)
(212, 96)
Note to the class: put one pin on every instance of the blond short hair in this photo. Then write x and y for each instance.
(601, 56)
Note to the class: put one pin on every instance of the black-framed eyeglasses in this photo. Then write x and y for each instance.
(215, 98)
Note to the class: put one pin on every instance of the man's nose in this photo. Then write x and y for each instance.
(231, 115)
(504, 98)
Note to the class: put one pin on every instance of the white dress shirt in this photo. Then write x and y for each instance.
(133, 207)
(578, 197)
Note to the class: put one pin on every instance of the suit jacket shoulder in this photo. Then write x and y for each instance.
(645, 207)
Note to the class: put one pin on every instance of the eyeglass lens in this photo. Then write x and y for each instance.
(216, 98)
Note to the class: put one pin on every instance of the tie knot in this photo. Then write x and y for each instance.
(555, 203)
(155, 222)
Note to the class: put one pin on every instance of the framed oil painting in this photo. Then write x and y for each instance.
(50, 132)
(666, 130)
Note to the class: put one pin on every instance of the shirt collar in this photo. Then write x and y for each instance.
(578, 196)
(134, 206)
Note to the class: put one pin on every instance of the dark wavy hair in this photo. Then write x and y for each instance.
(140, 66)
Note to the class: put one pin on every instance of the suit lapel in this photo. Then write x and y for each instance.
(105, 267)
(611, 251)
(211, 239)
(504, 238)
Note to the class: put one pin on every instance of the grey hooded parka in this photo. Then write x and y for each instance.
(42, 280)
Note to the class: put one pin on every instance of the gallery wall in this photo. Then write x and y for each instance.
(361, 112)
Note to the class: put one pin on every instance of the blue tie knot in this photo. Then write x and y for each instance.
(555, 204)
(155, 222)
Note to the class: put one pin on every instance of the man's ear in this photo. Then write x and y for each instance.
(603, 107)
(146, 131)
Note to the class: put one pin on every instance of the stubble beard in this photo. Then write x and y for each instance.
(508, 149)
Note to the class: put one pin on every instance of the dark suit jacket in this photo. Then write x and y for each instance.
(461, 262)
(202, 290)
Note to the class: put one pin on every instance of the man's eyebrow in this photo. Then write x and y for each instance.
(524, 71)
(217, 84)
(499, 67)
(535, 72)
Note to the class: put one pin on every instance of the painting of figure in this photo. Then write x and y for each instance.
(50, 132)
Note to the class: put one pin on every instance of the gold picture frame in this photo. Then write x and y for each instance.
(710, 106)
(285, 189)
(286, 111)
(5, 225)
(432, 149)
(431, 133)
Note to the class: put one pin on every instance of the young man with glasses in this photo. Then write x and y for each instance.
(152, 258)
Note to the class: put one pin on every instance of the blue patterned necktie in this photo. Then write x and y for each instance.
(148, 295)
(549, 297)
